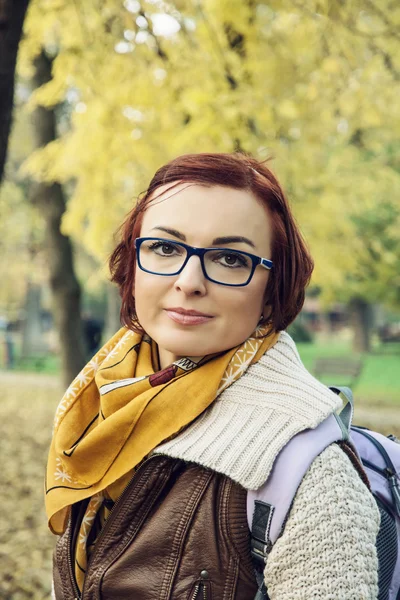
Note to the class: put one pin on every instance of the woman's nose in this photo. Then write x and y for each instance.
(191, 279)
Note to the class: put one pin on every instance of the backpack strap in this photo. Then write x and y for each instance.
(268, 507)
(259, 548)
(349, 448)
(347, 444)
(346, 414)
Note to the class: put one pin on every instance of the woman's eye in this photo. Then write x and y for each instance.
(163, 248)
(232, 260)
(167, 249)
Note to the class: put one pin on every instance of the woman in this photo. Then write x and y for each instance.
(184, 410)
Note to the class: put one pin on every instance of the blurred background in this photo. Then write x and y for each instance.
(106, 91)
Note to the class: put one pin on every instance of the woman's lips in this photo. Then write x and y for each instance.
(186, 318)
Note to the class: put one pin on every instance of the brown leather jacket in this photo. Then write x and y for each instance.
(178, 532)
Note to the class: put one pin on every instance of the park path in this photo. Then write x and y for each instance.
(10, 378)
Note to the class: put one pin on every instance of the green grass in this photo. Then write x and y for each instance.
(38, 364)
(379, 382)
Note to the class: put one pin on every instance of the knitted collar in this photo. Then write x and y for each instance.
(242, 432)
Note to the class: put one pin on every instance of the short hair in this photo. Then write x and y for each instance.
(293, 264)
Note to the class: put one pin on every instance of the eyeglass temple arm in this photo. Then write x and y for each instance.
(267, 264)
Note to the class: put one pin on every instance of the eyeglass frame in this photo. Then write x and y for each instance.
(200, 252)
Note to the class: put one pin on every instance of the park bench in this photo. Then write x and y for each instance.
(340, 371)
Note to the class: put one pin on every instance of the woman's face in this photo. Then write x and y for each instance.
(197, 215)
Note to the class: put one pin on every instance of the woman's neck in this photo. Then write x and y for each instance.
(166, 358)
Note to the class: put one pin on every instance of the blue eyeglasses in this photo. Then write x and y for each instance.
(165, 257)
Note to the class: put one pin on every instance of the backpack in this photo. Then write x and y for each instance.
(268, 507)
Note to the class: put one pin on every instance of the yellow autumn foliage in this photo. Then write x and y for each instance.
(315, 84)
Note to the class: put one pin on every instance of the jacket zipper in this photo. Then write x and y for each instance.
(71, 565)
(199, 586)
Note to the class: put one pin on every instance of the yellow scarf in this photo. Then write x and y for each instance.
(118, 410)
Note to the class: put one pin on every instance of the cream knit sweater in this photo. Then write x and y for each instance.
(327, 550)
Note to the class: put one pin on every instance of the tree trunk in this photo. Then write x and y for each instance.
(49, 199)
(12, 14)
(33, 344)
(361, 321)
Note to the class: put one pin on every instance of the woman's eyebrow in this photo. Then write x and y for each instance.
(173, 232)
(227, 239)
(233, 239)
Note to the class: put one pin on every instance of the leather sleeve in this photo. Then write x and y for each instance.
(328, 547)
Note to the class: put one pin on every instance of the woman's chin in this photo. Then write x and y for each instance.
(187, 344)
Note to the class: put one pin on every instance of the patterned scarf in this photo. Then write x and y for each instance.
(119, 408)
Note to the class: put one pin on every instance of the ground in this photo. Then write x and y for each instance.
(26, 415)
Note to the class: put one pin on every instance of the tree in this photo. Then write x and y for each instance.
(12, 14)
(314, 83)
(360, 241)
(50, 201)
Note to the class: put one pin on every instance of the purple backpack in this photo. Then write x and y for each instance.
(268, 507)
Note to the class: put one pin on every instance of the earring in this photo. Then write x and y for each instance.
(261, 319)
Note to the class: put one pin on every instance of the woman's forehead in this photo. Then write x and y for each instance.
(208, 212)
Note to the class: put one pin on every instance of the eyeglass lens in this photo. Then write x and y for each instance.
(166, 258)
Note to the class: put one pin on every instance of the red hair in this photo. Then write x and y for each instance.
(293, 264)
